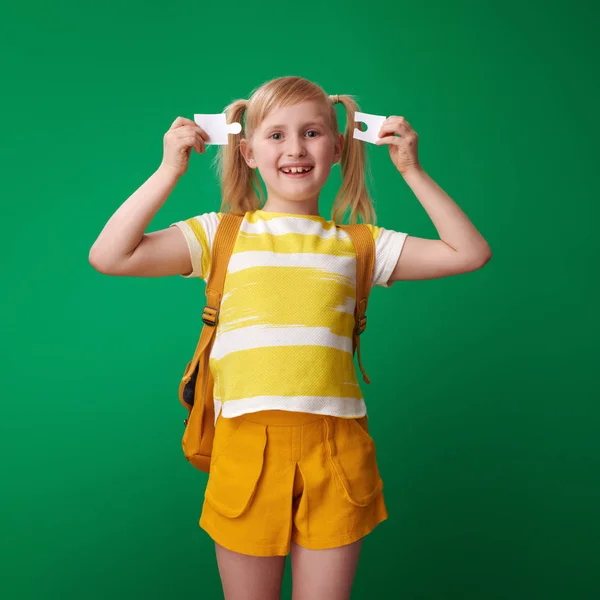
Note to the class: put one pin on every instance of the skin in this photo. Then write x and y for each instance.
(295, 142)
(316, 574)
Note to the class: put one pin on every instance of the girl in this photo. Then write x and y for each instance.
(293, 466)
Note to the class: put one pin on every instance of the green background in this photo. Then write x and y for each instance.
(484, 393)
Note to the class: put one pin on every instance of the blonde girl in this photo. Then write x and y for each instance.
(293, 468)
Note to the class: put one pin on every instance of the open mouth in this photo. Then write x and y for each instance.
(297, 173)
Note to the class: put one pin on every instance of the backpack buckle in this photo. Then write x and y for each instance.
(210, 315)
(361, 325)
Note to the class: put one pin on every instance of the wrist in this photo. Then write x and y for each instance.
(168, 172)
(412, 171)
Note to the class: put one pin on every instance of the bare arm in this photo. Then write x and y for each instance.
(122, 248)
(460, 249)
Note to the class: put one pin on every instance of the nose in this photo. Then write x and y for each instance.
(296, 146)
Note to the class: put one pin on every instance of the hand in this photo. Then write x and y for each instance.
(404, 146)
(183, 135)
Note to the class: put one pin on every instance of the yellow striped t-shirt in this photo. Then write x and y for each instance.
(284, 335)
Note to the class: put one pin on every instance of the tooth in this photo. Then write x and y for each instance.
(296, 170)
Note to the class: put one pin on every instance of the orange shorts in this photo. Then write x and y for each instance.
(277, 476)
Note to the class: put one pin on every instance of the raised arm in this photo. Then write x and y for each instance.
(123, 247)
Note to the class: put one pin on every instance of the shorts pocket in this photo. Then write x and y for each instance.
(353, 458)
(362, 427)
(236, 468)
(225, 430)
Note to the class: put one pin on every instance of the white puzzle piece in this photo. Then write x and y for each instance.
(217, 128)
(373, 122)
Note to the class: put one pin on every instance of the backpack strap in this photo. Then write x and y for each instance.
(365, 263)
(225, 237)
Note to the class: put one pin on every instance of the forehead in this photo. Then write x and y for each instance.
(295, 115)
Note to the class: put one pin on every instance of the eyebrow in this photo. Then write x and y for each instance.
(305, 125)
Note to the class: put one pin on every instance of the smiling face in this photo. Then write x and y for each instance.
(293, 135)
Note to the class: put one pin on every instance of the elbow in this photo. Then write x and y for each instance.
(484, 258)
(98, 263)
(487, 254)
(106, 262)
(477, 260)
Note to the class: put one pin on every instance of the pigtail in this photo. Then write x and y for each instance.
(239, 183)
(353, 193)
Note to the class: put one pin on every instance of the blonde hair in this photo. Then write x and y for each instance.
(241, 189)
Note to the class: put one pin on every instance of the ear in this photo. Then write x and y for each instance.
(337, 152)
(247, 153)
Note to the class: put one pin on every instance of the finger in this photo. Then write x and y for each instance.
(389, 139)
(395, 119)
(203, 133)
(179, 121)
(399, 127)
(195, 142)
(189, 142)
(185, 132)
(176, 123)
(200, 146)
(193, 131)
(388, 130)
(411, 139)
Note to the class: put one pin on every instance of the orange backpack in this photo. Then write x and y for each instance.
(197, 382)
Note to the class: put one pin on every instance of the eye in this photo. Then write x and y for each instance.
(309, 131)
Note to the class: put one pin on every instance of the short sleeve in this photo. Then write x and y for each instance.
(388, 247)
(199, 233)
